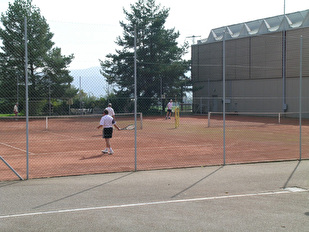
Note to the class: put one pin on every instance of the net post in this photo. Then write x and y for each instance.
(279, 118)
(46, 123)
(209, 119)
(141, 115)
(177, 117)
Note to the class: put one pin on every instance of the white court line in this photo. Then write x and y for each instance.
(149, 203)
(16, 148)
(131, 149)
(69, 136)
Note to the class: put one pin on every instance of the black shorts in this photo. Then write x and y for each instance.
(169, 110)
(107, 132)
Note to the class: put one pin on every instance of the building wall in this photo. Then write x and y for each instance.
(254, 73)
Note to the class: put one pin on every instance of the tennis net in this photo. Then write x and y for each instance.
(68, 121)
(255, 118)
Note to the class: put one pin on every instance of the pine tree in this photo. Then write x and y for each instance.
(160, 68)
(47, 68)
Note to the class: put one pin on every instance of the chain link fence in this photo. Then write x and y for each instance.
(61, 137)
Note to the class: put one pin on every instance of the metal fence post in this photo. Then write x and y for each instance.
(223, 89)
(300, 95)
(27, 103)
(135, 102)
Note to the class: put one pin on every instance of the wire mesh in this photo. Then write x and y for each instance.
(65, 109)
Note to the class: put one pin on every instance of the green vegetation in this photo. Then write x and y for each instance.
(6, 115)
(160, 67)
(161, 71)
(48, 74)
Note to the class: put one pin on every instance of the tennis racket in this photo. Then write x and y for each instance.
(129, 127)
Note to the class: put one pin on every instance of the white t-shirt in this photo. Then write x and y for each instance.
(15, 109)
(110, 111)
(107, 121)
(170, 105)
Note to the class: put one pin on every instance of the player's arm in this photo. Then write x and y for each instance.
(101, 123)
(116, 126)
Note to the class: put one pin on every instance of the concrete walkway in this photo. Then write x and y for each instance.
(250, 197)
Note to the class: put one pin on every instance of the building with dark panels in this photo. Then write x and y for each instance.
(261, 63)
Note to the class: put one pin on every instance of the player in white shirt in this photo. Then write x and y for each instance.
(169, 109)
(110, 110)
(107, 122)
(16, 109)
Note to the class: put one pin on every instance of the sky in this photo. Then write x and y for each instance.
(89, 28)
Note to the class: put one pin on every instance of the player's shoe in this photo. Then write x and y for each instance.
(111, 152)
(105, 151)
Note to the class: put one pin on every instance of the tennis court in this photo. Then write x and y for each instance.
(72, 145)
(252, 197)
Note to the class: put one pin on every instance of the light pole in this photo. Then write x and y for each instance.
(284, 7)
(193, 38)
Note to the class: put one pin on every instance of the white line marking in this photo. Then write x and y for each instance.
(148, 203)
(16, 148)
(68, 136)
(295, 189)
(95, 150)
(7, 145)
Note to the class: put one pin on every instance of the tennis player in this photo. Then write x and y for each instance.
(107, 122)
(16, 109)
(110, 110)
(169, 109)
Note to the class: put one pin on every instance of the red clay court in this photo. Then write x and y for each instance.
(72, 145)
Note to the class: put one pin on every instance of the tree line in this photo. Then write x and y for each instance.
(161, 69)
